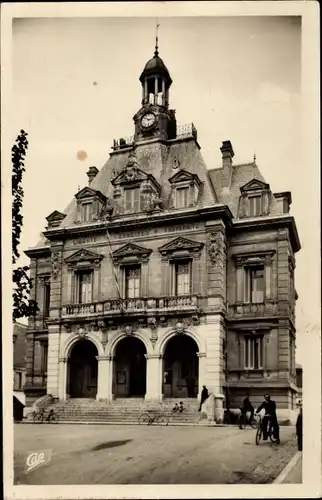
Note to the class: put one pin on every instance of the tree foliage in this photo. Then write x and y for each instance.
(22, 283)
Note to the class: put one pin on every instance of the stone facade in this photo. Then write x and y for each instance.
(158, 250)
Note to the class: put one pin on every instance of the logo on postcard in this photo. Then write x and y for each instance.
(36, 459)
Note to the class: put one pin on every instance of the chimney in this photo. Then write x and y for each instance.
(227, 154)
(227, 162)
(91, 174)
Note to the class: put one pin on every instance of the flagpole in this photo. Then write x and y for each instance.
(113, 266)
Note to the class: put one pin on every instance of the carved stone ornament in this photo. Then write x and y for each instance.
(179, 328)
(130, 173)
(81, 332)
(108, 209)
(152, 322)
(214, 247)
(55, 265)
(129, 329)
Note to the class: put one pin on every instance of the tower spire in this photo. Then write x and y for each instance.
(156, 52)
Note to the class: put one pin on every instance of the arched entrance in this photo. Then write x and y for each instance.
(130, 368)
(82, 368)
(180, 367)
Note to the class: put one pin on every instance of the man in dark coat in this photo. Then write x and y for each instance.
(270, 415)
(247, 406)
(204, 396)
(299, 430)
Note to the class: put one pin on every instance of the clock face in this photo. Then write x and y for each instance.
(148, 120)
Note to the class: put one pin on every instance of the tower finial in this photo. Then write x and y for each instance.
(156, 52)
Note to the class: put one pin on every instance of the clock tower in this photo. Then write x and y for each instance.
(155, 120)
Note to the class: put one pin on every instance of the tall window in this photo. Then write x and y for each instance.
(46, 298)
(86, 211)
(182, 281)
(85, 282)
(253, 352)
(255, 205)
(132, 200)
(254, 284)
(132, 282)
(44, 358)
(182, 197)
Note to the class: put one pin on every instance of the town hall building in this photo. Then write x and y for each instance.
(162, 276)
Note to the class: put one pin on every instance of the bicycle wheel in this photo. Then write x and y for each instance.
(242, 421)
(271, 434)
(38, 418)
(53, 418)
(162, 420)
(258, 435)
(144, 419)
(254, 423)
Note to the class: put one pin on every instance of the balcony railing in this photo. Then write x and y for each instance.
(187, 131)
(268, 308)
(123, 142)
(140, 305)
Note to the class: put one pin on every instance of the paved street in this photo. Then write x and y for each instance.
(119, 454)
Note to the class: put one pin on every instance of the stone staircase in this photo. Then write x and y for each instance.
(122, 410)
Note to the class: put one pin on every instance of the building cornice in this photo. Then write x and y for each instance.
(44, 251)
(190, 215)
(276, 221)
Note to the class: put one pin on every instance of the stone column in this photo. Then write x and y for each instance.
(196, 276)
(201, 371)
(104, 379)
(163, 92)
(268, 278)
(62, 379)
(145, 279)
(239, 282)
(53, 363)
(153, 377)
(156, 90)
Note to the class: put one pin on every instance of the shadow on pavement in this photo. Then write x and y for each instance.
(110, 444)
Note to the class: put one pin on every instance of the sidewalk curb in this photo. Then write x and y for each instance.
(289, 467)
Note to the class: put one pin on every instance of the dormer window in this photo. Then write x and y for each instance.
(254, 200)
(185, 189)
(182, 197)
(132, 200)
(90, 204)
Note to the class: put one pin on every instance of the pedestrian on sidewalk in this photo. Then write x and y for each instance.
(299, 429)
(204, 396)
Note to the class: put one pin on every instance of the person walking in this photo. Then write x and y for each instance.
(299, 429)
(204, 396)
(270, 415)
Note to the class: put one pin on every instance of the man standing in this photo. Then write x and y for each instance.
(299, 429)
(204, 396)
(270, 415)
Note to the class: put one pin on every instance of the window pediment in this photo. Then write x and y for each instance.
(90, 203)
(131, 253)
(185, 177)
(181, 245)
(88, 193)
(55, 219)
(84, 258)
(254, 258)
(254, 185)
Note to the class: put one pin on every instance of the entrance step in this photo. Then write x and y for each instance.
(123, 410)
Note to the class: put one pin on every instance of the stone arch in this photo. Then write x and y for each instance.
(163, 340)
(111, 346)
(73, 339)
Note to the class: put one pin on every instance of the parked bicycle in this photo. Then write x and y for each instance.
(40, 417)
(259, 431)
(244, 420)
(150, 417)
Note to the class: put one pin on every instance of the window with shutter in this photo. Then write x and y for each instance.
(255, 205)
(253, 351)
(182, 197)
(182, 278)
(86, 212)
(132, 282)
(85, 287)
(132, 200)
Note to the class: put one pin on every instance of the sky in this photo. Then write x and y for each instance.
(76, 87)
